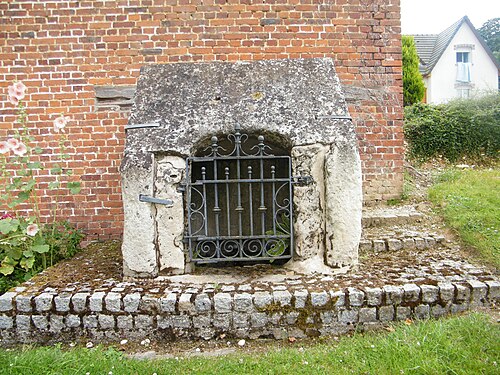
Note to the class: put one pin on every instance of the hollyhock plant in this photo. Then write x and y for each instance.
(60, 123)
(32, 230)
(27, 243)
(4, 147)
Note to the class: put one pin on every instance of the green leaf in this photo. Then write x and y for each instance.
(56, 170)
(40, 248)
(8, 225)
(28, 253)
(38, 150)
(74, 187)
(69, 172)
(6, 269)
(34, 165)
(23, 196)
(27, 263)
(54, 185)
(14, 253)
(29, 185)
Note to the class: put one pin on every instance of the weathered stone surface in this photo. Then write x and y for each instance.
(90, 321)
(222, 321)
(124, 322)
(394, 244)
(365, 246)
(411, 293)
(202, 321)
(343, 203)
(409, 243)
(373, 296)
(463, 293)
(393, 294)
(223, 303)
(106, 321)
(300, 298)
(348, 316)
(202, 303)
(113, 302)
(95, 301)
(422, 311)
(493, 290)
(309, 201)
(429, 293)
(56, 324)
(419, 243)
(181, 321)
(143, 321)
(185, 304)
(72, 321)
(479, 290)
(402, 312)
(283, 297)
(43, 302)
(167, 304)
(131, 302)
(368, 314)
(23, 303)
(6, 301)
(62, 302)
(6, 322)
(356, 297)
(319, 299)
(79, 302)
(437, 311)
(386, 313)
(446, 292)
(240, 320)
(23, 323)
(170, 220)
(41, 322)
(243, 302)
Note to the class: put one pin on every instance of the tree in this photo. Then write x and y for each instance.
(413, 83)
(490, 31)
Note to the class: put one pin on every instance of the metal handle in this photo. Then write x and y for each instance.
(147, 198)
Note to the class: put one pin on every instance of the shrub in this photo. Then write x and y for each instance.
(461, 128)
(28, 245)
(413, 83)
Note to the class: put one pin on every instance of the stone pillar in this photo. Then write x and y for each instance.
(309, 201)
(343, 198)
(170, 220)
(138, 248)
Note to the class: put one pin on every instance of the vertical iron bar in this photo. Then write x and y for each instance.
(273, 176)
(227, 203)
(203, 177)
(216, 209)
(290, 192)
(239, 208)
(250, 199)
(262, 207)
(188, 204)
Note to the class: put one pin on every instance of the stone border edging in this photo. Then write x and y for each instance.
(108, 316)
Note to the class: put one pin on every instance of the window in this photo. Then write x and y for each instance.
(464, 93)
(463, 57)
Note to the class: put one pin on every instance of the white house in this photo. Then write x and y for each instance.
(456, 63)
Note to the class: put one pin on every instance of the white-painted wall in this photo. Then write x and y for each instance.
(441, 85)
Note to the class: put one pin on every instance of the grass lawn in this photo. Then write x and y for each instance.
(470, 203)
(462, 345)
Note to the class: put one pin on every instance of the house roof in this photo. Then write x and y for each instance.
(430, 47)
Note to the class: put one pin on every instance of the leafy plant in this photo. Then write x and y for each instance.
(26, 244)
(413, 83)
(282, 229)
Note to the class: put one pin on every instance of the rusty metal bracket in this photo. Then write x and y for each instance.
(302, 180)
(148, 199)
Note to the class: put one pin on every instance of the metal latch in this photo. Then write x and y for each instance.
(147, 198)
(302, 180)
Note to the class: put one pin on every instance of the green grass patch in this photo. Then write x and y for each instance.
(463, 345)
(470, 203)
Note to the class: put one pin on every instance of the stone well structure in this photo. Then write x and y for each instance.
(296, 104)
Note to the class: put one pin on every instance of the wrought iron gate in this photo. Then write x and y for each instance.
(238, 202)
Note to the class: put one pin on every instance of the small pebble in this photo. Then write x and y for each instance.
(123, 342)
(242, 342)
(89, 345)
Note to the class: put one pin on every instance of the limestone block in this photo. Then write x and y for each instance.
(478, 292)
(23, 323)
(409, 243)
(463, 293)
(138, 247)
(446, 292)
(223, 303)
(393, 294)
(185, 304)
(402, 312)
(202, 321)
(258, 320)
(429, 293)
(386, 313)
(163, 322)
(343, 203)
(167, 304)
(41, 322)
(319, 299)
(411, 293)
(243, 302)
(23, 303)
(348, 316)
(283, 297)
(437, 311)
(181, 321)
(356, 297)
(79, 301)
(420, 243)
(43, 302)
(394, 244)
(422, 311)
(222, 321)
(240, 320)
(338, 298)
(90, 321)
(373, 296)
(56, 324)
(106, 321)
(72, 321)
(202, 303)
(493, 290)
(309, 200)
(131, 302)
(6, 322)
(368, 314)
(143, 321)
(113, 302)
(6, 301)
(379, 246)
(124, 322)
(170, 220)
(95, 301)
(365, 246)
(62, 302)
(300, 298)
(327, 317)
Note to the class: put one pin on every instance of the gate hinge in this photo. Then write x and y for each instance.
(302, 180)
(147, 198)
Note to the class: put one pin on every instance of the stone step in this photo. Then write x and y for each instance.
(387, 216)
(367, 246)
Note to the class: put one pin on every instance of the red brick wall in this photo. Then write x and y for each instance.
(62, 49)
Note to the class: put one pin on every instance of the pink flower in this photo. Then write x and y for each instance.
(13, 143)
(32, 230)
(60, 123)
(6, 216)
(17, 92)
(4, 147)
(20, 150)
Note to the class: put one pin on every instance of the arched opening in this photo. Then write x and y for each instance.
(239, 201)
